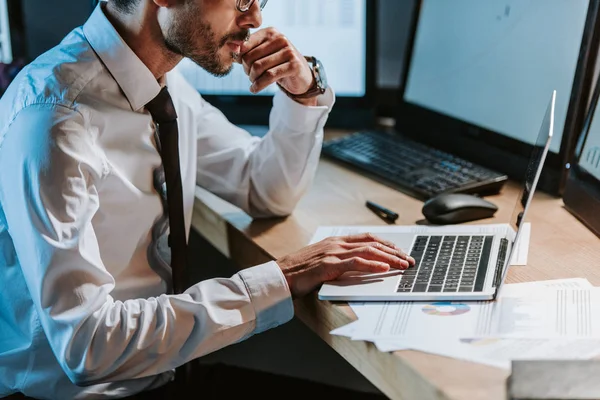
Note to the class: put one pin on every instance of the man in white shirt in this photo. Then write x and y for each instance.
(84, 309)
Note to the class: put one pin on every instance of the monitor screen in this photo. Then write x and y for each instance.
(582, 191)
(334, 31)
(589, 157)
(5, 44)
(493, 64)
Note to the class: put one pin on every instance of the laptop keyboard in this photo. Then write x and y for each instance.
(447, 264)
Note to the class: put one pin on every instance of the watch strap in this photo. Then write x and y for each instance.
(314, 91)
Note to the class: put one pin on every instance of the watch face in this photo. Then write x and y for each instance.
(321, 76)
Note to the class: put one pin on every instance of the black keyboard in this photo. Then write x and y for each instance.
(447, 264)
(409, 166)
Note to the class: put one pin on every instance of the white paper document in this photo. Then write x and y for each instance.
(500, 352)
(432, 320)
(521, 252)
(365, 309)
(493, 351)
(570, 283)
(543, 314)
(402, 235)
(349, 330)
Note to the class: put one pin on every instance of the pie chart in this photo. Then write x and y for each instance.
(446, 309)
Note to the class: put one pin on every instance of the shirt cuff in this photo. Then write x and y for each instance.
(270, 295)
(300, 118)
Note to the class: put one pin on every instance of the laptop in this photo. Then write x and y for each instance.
(451, 265)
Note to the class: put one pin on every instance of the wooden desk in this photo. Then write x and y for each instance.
(561, 247)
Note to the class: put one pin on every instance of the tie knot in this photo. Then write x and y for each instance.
(161, 107)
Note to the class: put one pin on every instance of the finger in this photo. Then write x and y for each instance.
(382, 247)
(263, 50)
(258, 38)
(372, 253)
(273, 60)
(358, 264)
(271, 76)
(367, 238)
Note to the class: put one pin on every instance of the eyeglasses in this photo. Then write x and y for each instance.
(245, 5)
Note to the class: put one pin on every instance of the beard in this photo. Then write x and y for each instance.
(197, 41)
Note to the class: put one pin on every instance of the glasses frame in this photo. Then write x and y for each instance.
(238, 5)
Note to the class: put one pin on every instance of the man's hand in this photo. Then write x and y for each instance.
(269, 57)
(330, 258)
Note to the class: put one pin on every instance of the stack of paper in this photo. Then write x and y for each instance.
(539, 320)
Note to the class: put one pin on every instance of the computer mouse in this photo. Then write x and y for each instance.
(454, 208)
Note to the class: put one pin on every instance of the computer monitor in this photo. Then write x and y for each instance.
(338, 32)
(478, 73)
(5, 42)
(582, 190)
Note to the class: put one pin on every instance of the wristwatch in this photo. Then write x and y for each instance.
(320, 84)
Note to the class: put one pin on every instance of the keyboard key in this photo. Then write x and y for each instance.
(420, 288)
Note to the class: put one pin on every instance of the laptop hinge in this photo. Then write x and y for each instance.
(500, 263)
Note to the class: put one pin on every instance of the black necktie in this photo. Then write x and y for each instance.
(164, 115)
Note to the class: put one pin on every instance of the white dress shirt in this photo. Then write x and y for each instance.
(83, 313)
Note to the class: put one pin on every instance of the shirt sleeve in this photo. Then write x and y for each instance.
(51, 172)
(263, 176)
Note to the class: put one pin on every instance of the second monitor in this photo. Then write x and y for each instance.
(475, 82)
(479, 73)
(340, 33)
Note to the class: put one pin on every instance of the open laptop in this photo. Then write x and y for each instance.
(451, 265)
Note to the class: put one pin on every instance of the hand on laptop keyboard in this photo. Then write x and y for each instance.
(327, 260)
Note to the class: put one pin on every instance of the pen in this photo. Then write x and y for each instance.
(382, 212)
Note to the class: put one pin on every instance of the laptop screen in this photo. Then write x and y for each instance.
(536, 164)
(492, 64)
(532, 176)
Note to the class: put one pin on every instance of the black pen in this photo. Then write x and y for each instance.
(382, 212)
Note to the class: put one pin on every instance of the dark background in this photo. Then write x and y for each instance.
(45, 23)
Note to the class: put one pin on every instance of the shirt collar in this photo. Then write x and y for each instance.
(135, 79)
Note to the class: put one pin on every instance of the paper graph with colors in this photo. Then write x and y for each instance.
(445, 309)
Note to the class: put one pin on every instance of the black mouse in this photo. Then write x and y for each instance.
(454, 208)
